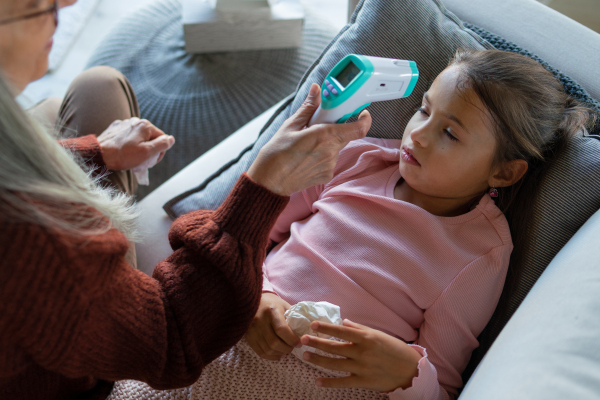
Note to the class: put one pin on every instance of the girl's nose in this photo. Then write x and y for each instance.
(419, 135)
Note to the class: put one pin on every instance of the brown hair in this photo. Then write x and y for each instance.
(533, 120)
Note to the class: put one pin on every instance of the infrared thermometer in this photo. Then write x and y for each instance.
(357, 81)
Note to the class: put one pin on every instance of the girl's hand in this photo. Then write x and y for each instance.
(376, 361)
(128, 143)
(269, 335)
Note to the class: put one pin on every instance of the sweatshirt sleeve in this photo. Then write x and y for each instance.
(452, 324)
(88, 148)
(88, 313)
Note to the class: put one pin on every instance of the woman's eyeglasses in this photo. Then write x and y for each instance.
(52, 9)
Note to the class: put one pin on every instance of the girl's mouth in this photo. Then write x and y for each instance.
(408, 157)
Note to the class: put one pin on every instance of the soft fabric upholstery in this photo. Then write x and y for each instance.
(423, 31)
(200, 99)
(570, 193)
(565, 44)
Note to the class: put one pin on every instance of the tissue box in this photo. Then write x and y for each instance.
(235, 25)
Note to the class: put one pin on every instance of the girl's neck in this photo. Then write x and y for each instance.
(441, 207)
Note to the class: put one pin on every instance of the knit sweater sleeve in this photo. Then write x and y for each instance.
(83, 311)
(88, 148)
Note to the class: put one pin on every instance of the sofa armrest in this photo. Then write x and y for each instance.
(549, 348)
(563, 43)
(154, 222)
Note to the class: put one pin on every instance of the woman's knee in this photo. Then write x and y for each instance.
(102, 78)
(96, 98)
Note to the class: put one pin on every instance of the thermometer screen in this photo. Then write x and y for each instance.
(347, 74)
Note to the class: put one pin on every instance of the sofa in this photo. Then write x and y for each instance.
(549, 348)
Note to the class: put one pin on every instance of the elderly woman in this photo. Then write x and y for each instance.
(74, 314)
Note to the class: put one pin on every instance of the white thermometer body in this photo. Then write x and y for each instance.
(357, 81)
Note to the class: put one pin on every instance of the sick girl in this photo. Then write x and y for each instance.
(408, 238)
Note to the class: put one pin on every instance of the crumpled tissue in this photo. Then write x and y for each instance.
(299, 318)
(141, 171)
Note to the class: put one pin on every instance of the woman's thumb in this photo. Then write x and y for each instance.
(308, 108)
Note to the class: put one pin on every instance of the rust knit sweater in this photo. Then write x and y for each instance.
(74, 316)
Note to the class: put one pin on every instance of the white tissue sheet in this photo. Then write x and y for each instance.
(299, 318)
(141, 171)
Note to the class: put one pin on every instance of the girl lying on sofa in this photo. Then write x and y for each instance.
(408, 238)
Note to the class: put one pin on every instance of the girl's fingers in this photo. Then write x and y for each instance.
(353, 335)
(330, 346)
(351, 324)
(337, 383)
(336, 364)
(275, 344)
(284, 332)
(267, 352)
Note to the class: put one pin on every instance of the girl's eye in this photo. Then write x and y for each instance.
(450, 136)
(422, 111)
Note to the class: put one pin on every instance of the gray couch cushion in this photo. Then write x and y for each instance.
(200, 98)
(423, 31)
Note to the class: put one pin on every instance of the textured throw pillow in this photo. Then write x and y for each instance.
(200, 98)
(419, 30)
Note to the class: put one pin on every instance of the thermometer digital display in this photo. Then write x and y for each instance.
(357, 81)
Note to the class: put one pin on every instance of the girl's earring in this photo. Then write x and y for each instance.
(493, 192)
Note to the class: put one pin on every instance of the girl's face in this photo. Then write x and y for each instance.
(448, 146)
(25, 44)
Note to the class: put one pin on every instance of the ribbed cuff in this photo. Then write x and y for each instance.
(87, 147)
(425, 385)
(250, 211)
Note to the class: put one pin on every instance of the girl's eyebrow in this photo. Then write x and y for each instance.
(449, 116)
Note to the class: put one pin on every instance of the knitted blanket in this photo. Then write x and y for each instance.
(240, 374)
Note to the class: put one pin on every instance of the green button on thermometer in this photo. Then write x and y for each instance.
(357, 81)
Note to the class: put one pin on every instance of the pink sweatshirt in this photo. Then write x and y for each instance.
(428, 280)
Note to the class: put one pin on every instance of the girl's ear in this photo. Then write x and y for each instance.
(508, 173)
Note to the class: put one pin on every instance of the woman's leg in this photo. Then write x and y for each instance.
(94, 100)
(46, 111)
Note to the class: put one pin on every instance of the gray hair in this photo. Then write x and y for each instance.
(42, 183)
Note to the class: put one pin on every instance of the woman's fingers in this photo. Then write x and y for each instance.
(349, 334)
(160, 144)
(301, 118)
(341, 134)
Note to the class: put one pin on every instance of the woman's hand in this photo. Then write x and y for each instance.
(128, 143)
(376, 361)
(269, 335)
(296, 158)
